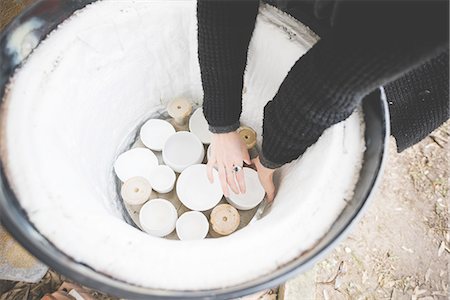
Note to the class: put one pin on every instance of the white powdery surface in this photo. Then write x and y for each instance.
(82, 94)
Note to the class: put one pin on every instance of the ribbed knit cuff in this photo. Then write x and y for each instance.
(267, 163)
(224, 129)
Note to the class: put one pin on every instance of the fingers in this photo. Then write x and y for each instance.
(209, 168)
(231, 180)
(223, 179)
(266, 178)
(270, 191)
(269, 187)
(246, 157)
(241, 181)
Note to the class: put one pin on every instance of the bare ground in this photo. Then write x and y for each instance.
(400, 248)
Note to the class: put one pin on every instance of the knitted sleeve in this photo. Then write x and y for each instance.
(371, 44)
(224, 31)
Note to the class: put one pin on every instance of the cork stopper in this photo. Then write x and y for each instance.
(224, 219)
(180, 110)
(248, 135)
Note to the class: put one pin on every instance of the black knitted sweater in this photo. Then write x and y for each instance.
(369, 44)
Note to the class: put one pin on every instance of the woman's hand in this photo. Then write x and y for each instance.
(266, 178)
(228, 150)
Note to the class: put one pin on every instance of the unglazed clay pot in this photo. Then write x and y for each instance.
(183, 149)
(155, 132)
(195, 191)
(158, 217)
(254, 192)
(192, 225)
(162, 179)
(135, 162)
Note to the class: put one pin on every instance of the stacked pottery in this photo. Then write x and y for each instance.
(148, 171)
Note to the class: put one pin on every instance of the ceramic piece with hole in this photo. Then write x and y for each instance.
(158, 217)
(183, 149)
(248, 135)
(224, 219)
(254, 192)
(199, 126)
(137, 162)
(195, 191)
(162, 179)
(192, 225)
(155, 132)
(136, 191)
(179, 110)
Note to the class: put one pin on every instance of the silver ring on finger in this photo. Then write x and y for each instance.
(236, 169)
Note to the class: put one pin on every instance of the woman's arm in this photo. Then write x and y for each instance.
(224, 31)
(371, 44)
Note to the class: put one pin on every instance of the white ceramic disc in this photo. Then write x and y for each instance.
(192, 225)
(155, 132)
(199, 126)
(183, 149)
(158, 217)
(195, 191)
(162, 179)
(136, 191)
(135, 162)
(254, 192)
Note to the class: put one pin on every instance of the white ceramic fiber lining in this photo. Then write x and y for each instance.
(77, 103)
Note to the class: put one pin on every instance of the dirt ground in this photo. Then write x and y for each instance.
(399, 250)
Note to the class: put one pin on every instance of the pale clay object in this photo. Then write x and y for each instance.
(183, 149)
(248, 135)
(135, 162)
(199, 126)
(162, 179)
(158, 217)
(195, 191)
(254, 192)
(192, 225)
(136, 191)
(224, 219)
(179, 110)
(155, 132)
